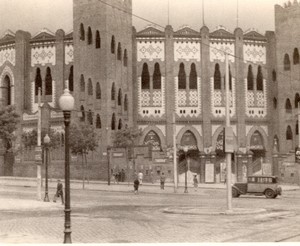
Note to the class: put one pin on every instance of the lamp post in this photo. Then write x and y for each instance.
(185, 149)
(46, 144)
(66, 103)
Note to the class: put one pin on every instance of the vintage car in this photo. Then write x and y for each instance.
(258, 185)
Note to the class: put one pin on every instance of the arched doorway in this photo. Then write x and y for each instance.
(6, 91)
(257, 146)
(153, 139)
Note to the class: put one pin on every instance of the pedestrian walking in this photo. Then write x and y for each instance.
(140, 176)
(136, 184)
(59, 192)
(162, 181)
(122, 175)
(116, 175)
(151, 177)
(195, 181)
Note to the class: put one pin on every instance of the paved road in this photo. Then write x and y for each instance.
(122, 217)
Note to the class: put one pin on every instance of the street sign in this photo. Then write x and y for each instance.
(229, 140)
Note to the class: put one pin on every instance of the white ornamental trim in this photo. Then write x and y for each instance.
(187, 51)
(8, 55)
(43, 55)
(150, 50)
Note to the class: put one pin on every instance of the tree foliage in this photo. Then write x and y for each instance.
(126, 137)
(29, 139)
(9, 120)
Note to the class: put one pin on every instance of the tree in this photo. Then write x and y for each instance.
(9, 120)
(126, 137)
(83, 138)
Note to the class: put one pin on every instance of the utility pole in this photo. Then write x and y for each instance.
(38, 151)
(298, 124)
(174, 153)
(228, 137)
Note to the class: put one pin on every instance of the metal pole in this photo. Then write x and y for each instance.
(185, 175)
(67, 231)
(46, 199)
(174, 154)
(39, 161)
(228, 154)
(108, 166)
(299, 124)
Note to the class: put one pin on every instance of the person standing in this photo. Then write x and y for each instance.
(195, 181)
(136, 184)
(59, 192)
(122, 175)
(140, 176)
(162, 181)
(152, 177)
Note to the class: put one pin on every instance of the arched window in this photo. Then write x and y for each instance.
(6, 91)
(286, 63)
(230, 78)
(98, 122)
(120, 124)
(82, 83)
(38, 81)
(98, 40)
(189, 139)
(98, 91)
(274, 75)
(145, 77)
(113, 45)
(82, 113)
(113, 122)
(289, 133)
(193, 77)
(82, 33)
(288, 106)
(119, 54)
(181, 77)
(217, 77)
(274, 102)
(250, 83)
(297, 129)
(297, 100)
(90, 87)
(71, 81)
(156, 77)
(89, 36)
(153, 139)
(48, 82)
(90, 117)
(125, 103)
(125, 59)
(120, 97)
(259, 79)
(113, 92)
(296, 56)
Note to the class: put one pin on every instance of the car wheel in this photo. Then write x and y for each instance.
(274, 196)
(269, 193)
(235, 193)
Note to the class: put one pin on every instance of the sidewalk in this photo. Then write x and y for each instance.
(122, 186)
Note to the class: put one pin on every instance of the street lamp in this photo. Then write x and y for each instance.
(185, 149)
(66, 103)
(46, 144)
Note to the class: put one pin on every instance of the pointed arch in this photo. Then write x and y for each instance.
(113, 91)
(82, 83)
(181, 77)
(274, 75)
(90, 117)
(195, 133)
(145, 77)
(120, 125)
(296, 56)
(288, 106)
(125, 59)
(289, 133)
(262, 133)
(90, 87)
(286, 63)
(71, 79)
(120, 97)
(48, 82)
(125, 103)
(113, 122)
(259, 79)
(6, 91)
(119, 53)
(38, 81)
(217, 77)
(153, 139)
(188, 139)
(230, 78)
(250, 80)
(275, 103)
(98, 40)
(89, 36)
(156, 77)
(82, 32)
(297, 128)
(82, 118)
(98, 91)
(193, 77)
(113, 45)
(98, 122)
(216, 137)
(157, 131)
(297, 100)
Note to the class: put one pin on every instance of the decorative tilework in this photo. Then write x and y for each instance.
(260, 99)
(43, 55)
(250, 99)
(157, 98)
(193, 97)
(254, 53)
(150, 50)
(187, 50)
(217, 97)
(182, 98)
(145, 98)
(9, 55)
(69, 53)
(217, 50)
(7, 71)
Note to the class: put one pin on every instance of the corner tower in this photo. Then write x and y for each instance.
(103, 64)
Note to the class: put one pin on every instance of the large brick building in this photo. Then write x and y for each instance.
(122, 77)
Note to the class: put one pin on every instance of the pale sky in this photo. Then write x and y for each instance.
(33, 15)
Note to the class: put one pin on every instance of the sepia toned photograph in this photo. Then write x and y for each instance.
(149, 122)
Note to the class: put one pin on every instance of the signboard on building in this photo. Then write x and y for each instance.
(209, 173)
